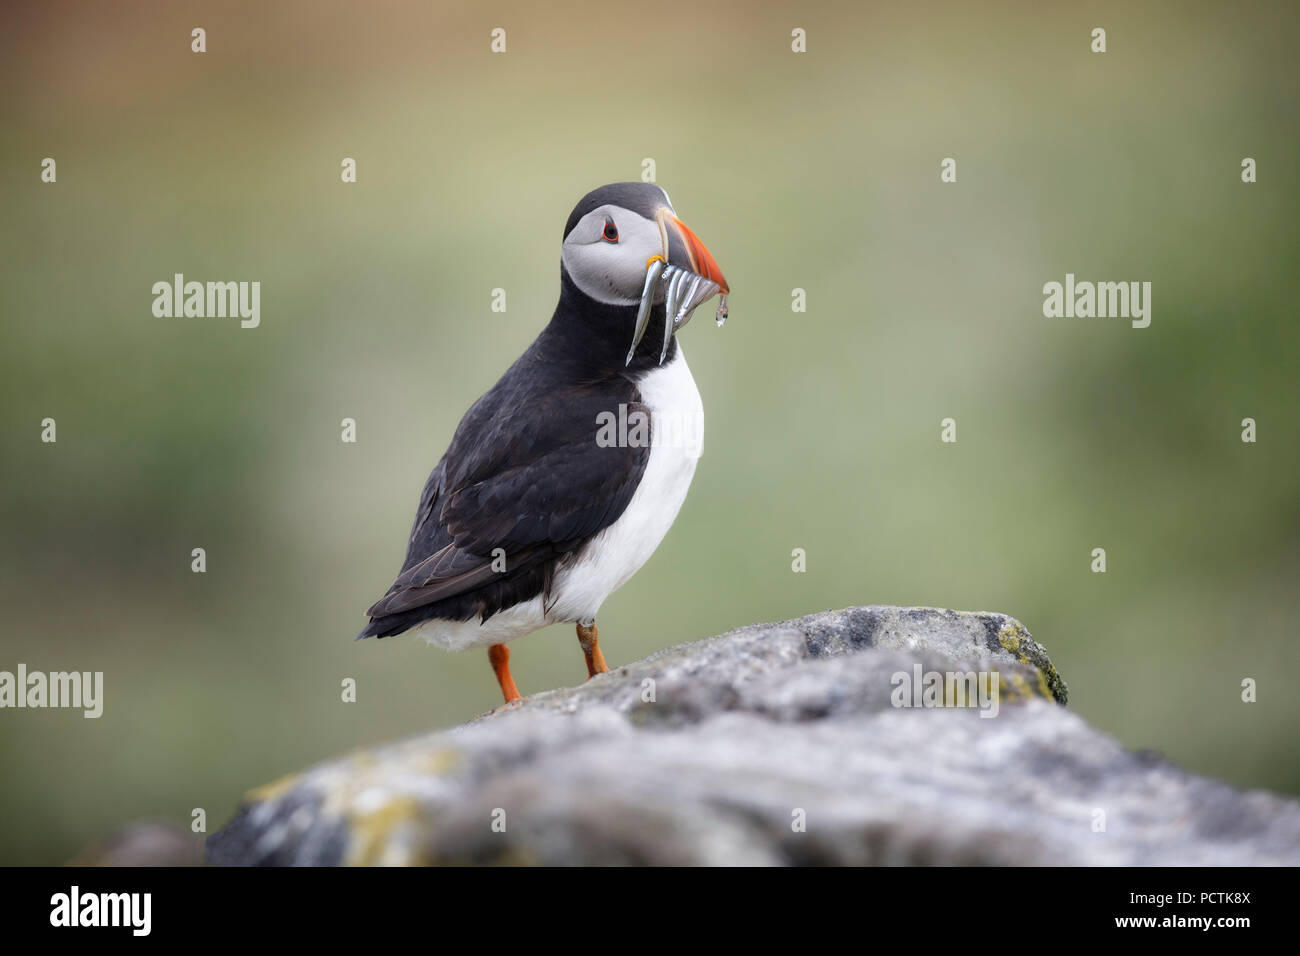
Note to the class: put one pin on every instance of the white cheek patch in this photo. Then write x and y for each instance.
(612, 273)
(596, 279)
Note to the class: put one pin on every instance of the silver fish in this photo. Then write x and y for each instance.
(671, 301)
(652, 276)
(684, 291)
(702, 290)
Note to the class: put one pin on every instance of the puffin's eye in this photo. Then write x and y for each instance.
(611, 231)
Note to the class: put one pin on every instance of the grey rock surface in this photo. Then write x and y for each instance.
(774, 744)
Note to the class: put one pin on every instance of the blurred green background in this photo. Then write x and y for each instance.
(818, 171)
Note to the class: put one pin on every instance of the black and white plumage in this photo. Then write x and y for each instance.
(530, 518)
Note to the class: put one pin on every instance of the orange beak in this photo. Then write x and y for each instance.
(701, 261)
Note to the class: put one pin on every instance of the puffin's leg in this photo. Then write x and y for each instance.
(590, 642)
(499, 655)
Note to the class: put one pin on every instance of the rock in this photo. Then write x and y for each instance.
(773, 744)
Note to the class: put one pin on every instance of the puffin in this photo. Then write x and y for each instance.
(562, 480)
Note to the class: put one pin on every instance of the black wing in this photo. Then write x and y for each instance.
(524, 474)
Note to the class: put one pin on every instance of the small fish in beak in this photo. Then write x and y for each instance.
(684, 289)
(654, 266)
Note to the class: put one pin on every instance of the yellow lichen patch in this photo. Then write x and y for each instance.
(1013, 638)
(374, 834)
(1010, 637)
(387, 829)
(273, 790)
(1023, 690)
(440, 761)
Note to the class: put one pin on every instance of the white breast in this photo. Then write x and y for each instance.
(607, 561)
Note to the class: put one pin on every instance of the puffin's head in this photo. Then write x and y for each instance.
(625, 246)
